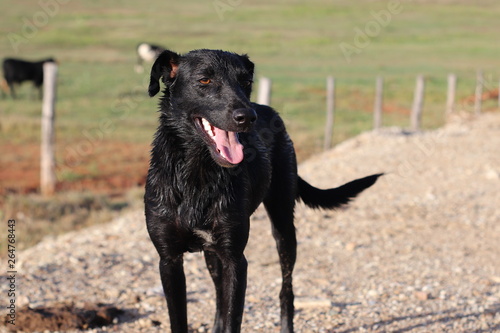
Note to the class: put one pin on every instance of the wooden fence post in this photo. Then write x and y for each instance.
(418, 103)
(264, 93)
(450, 98)
(479, 92)
(377, 109)
(48, 161)
(330, 111)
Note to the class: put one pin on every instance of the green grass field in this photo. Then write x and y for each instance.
(295, 44)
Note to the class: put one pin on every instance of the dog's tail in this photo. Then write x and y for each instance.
(334, 197)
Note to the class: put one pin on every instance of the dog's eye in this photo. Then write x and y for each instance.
(205, 81)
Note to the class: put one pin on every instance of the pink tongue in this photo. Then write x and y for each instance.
(229, 146)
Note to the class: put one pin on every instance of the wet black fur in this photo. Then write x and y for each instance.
(196, 201)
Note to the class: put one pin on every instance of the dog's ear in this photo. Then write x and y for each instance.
(248, 64)
(165, 68)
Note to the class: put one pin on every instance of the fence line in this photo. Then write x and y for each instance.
(417, 105)
(47, 159)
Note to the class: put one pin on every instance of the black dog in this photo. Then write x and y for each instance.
(215, 158)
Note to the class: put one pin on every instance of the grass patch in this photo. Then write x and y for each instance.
(296, 45)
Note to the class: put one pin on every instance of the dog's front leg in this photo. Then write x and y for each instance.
(214, 266)
(174, 287)
(234, 282)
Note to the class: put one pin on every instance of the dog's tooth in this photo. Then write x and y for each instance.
(207, 127)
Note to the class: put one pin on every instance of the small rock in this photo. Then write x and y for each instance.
(351, 246)
(252, 299)
(422, 295)
(492, 174)
(144, 323)
(495, 279)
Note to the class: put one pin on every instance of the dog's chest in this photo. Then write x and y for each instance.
(200, 201)
(199, 218)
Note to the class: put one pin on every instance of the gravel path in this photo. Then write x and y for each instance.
(418, 252)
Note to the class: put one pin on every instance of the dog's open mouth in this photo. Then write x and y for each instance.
(225, 146)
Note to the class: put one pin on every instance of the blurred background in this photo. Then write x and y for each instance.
(105, 120)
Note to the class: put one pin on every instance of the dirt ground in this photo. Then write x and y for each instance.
(64, 317)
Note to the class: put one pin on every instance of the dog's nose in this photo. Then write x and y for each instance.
(244, 117)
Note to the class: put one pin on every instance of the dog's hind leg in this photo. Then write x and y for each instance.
(174, 286)
(280, 210)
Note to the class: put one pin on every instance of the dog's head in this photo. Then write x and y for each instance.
(211, 90)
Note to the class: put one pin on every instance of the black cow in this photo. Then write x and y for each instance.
(18, 71)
